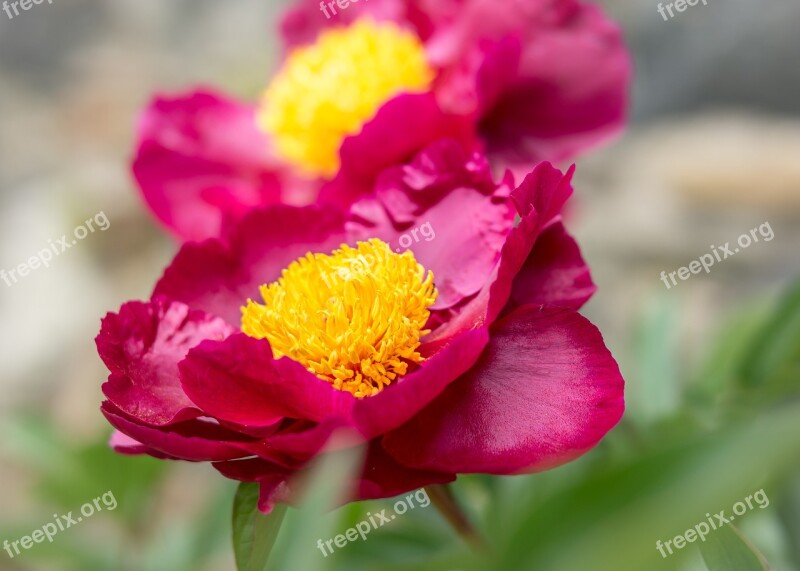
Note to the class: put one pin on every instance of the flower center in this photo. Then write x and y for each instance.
(353, 318)
(328, 90)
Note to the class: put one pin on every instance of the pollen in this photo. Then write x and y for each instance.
(353, 318)
(328, 90)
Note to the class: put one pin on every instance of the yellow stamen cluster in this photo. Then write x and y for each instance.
(353, 318)
(328, 90)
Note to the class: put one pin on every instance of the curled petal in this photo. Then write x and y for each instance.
(545, 391)
(142, 346)
(238, 380)
(192, 440)
(202, 161)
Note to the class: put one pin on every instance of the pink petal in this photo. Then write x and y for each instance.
(380, 144)
(544, 392)
(305, 20)
(124, 444)
(539, 200)
(239, 381)
(383, 477)
(202, 161)
(191, 440)
(544, 190)
(554, 273)
(219, 276)
(549, 77)
(403, 399)
(447, 209)
(141, 346)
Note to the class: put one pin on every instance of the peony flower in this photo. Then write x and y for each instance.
(371, 87)
(538, 79)
(443, 352)
(201, 162)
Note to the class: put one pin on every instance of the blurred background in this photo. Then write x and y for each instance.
(712, 364)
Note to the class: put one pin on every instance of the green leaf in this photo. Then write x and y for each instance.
(657, 392)
(614, 519)
(254, 533)
(774, 359)
(70, 474)
(728, 550)
(316, 517)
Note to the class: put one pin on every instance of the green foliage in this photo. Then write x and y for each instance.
(729, 550)
(711, 435)
(68, 475)
(254, 533)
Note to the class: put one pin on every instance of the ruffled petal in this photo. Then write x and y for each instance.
(202, 161)
(142, 346)
(192, 440)
(544, 392)
(446, 208)
(549, 78)
(381, 145)
(539, 200)
(571, 91)
(124, 444)
(220, 276)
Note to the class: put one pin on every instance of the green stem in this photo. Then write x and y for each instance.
(443, 500)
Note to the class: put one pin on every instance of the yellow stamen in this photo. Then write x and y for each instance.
(328, 90)
(353, 318)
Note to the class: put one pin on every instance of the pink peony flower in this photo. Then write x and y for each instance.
(462, 353)
(541, 79)
(202, 161)
(369, 88)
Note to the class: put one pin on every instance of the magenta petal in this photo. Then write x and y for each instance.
(300, 445)
(124, 444)
(539, 200)
(239, 381)
(383, 477)
(545, 391)
(550, 78)
(202, 160)
(545, 190)
(380, 144)
(192, 440)
(271, 479)
(305, 20)
(447, 209)
(554, 273)
(219, 277)
(142, 346)
(298, 442)
(399, 402)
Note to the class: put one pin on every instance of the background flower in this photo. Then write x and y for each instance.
(537, 80)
